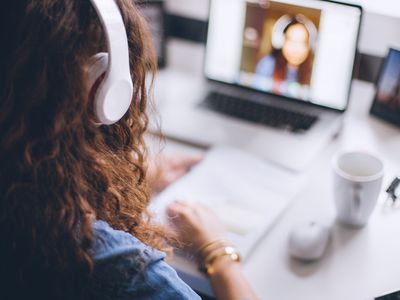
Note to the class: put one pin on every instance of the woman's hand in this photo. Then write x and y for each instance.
(198, 226)
(195, 224)
(164, 170)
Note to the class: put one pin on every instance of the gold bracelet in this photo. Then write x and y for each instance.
(207, 265)
(211, 246)
(207, 258)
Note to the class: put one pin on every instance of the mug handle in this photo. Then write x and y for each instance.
(355, 207)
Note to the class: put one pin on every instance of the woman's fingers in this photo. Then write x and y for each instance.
(167, 169)
(179, 209)
(194, 223)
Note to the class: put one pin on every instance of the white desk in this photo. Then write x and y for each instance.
(359, 264)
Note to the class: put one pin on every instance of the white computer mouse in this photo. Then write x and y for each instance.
(309, 241)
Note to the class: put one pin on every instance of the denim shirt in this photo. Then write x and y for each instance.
(125, 268)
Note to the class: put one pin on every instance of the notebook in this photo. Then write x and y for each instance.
(246, 193)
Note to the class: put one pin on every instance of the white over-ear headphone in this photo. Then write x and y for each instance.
(114, 94)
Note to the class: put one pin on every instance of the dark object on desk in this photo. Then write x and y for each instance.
(369, 67)
(393, 296)
(154, 12)
(392, 189)
(387, 99)
(259, 113)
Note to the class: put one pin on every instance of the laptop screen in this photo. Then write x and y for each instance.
(301, 49)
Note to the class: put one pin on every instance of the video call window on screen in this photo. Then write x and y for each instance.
(301, 49)
(279, 45)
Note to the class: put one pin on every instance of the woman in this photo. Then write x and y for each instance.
(74, 195)
(290, 64)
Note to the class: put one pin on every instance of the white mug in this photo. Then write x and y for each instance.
(357, 185)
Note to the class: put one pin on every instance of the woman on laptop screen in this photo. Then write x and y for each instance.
(289, 64)
(279, 46)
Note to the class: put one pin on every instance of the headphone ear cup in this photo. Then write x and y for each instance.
(98, 66)
(112, 96)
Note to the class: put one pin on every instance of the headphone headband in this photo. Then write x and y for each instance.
(114, 95)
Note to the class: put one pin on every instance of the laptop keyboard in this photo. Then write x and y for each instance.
(259, 113)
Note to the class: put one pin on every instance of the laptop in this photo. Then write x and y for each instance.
(278, 78)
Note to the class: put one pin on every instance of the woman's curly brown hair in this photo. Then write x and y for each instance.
(58, 170)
